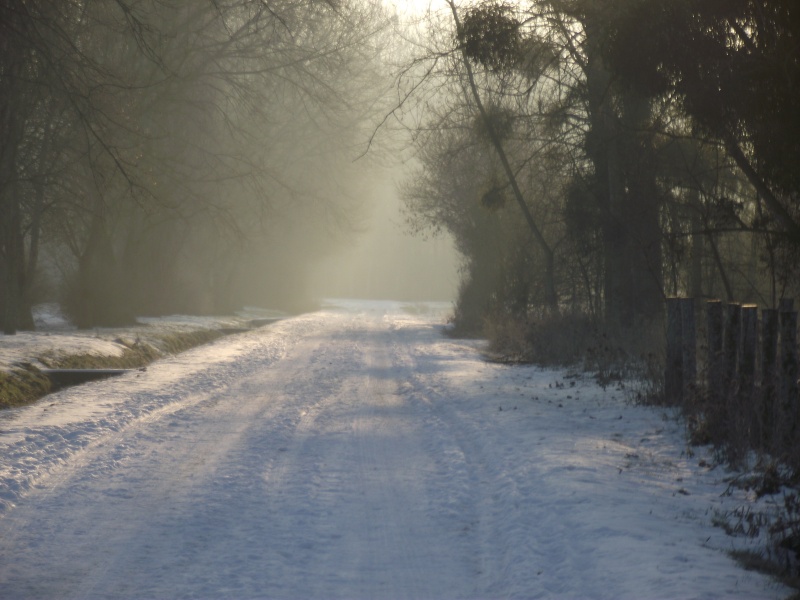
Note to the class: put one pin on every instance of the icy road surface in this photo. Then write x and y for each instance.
(356, 453)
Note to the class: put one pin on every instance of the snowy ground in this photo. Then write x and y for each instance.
(357, 453)
(56, 337)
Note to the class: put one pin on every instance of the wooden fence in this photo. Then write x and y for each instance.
(741, 358)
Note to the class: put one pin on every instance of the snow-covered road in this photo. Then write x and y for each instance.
(356, 453)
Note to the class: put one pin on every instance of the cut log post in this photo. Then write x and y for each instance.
(788, 370)
(747, 362)
(714, 324)
(769, 373)
(673, 372)
(730, 352)
(688, 350)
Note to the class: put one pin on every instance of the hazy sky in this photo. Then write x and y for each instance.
(413, 6)
(386, 262)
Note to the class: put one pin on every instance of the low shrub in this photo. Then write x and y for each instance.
(632, 357)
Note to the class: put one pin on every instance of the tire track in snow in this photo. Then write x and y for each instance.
(560, 511)
(369, 525)
(474, 480)
(40, 447)
(138, 505)
(308, 477)
(527, 550)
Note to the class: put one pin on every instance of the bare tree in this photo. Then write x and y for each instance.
(175, 120)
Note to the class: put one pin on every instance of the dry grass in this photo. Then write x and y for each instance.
(755, 561)
(633, 358)
(22, 385)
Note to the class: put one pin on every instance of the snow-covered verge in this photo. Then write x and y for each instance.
(357, 452)
(56, 337)
(57, 344)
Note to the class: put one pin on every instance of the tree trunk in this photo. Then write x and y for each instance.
(35, 227)
(13, 253)
(627, 194)
(12, 256)
(645, 278)
(602, 148)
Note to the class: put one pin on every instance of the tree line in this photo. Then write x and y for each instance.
(174, 156)
(597, 157)
(587, 157)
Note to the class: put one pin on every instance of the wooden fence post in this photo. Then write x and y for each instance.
(788, 374)
(714, 324)
(673, 372)
(688, 349)
(733, 357)
(732, 341)
(769, 372)
(747, 363)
